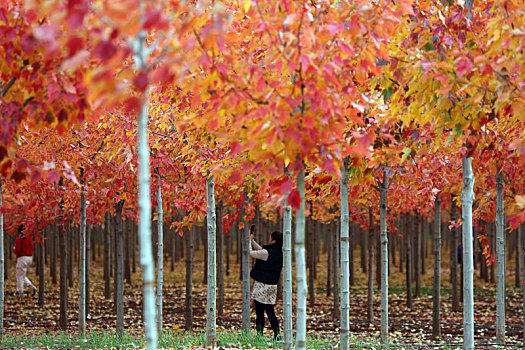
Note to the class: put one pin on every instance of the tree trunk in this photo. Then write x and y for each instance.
(384, 259)
(70, 269)
(127, 250)
(2, 263)
(53, 254)
(311, 267)
(454, 258)
(371, 252)
(41, 264)
(436, 298)
(245, 268)
(364, 249)
(329, 260)
(160, 256)
(82, 267)
(300, 266)
(345, 262)
(63, 278)
(493, 250)
(220, 261)
(211, 338)
(500, 259)
(144, 204)
(119, 282)
(419, 227)
(229, 243)
(188, 310)
(518, 261)
(107, 256)
(89, 248)
(287, 277)
(467, 200)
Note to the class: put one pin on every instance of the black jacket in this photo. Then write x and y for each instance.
(269, 271)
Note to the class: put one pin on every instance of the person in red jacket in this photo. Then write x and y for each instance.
(24, 254)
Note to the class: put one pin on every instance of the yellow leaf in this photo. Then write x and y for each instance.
(246, 5)
(520, 201)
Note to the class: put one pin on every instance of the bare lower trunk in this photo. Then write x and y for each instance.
(107, 257)
(245, 270)
(454, 259)
(220, 261)
(467, 200)
(345, 263)
(500, 259)
(160, 256)
(2, 264)
(436, 299)
(188, 310)
(287, 277)
(302, 289)
(119, 285)
(82, 268)
(371, 252)
(384, 259)
(63, 278)
(211, 318)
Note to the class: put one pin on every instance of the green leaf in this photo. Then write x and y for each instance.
(429, 46)
(387, 93)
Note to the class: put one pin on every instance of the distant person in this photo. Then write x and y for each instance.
(24, 253)
(266, 273)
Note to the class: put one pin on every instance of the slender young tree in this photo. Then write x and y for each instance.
(345, 262)
(436, 298)
(287, 277)
(302, 289)
(160, 256)
(220, 261)
(467, 200)
(119, 285)
(383, 186)
(211, 337)
(188, 302)
(107, 256)
(82, 264)
(144, 201)
(500, 259)
(454, 259)
(2, 263)
(245, 268)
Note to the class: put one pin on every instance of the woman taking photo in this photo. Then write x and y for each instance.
(266, 273)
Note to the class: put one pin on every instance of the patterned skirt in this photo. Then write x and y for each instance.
(264, 293)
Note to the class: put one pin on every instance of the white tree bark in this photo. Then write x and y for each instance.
(160, 256)
(2, 263)
(500, 260)
(287, 277)
(345, 262)
(384, 258)
(144, 206)
(211, 338)
(467, 199)
(82, 268)
(520, 229)
(300, 261)
(436, 299)
(245, 261)
(119, 281)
